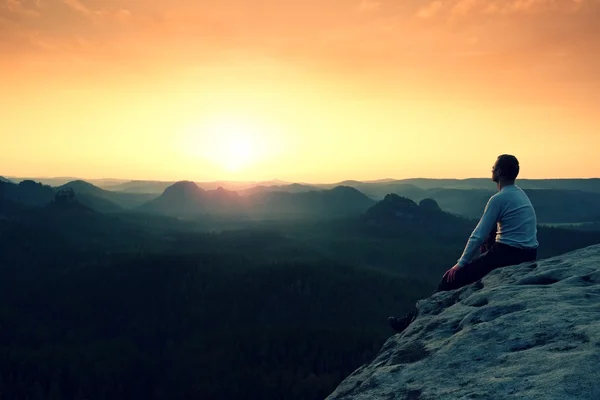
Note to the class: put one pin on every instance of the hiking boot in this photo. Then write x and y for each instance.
(400, 324)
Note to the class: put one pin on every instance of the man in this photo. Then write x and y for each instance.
(511, 215)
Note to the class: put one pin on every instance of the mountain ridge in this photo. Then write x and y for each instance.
(105, 200)
(186, 198)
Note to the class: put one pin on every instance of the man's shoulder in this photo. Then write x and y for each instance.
(502, 196)
(514, 195)
(497, 196)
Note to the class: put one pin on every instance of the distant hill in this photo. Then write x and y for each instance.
(82, 187)
(65, 202)
(147, 187)
(351, 183)
(158, 187)
(379, 189)
(560, 206)
(406, 188)
(92, 197)
(187, 199)
(291, 188)
(336, 202)
(181, 199)
(3, 179)
(28, 193)
(68, 226)
(34, 194)
(238, 186)
(105, 200)
(58, 181)
(587, 185)
(396, 212)
(223, 201)
(393, 207)
(551, 205)
(468, 203)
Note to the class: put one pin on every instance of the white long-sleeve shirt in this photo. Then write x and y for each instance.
(516, 221)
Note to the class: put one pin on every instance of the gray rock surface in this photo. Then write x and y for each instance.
(530, 331)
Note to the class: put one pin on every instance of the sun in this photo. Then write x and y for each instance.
(230, 143)
(236, 150)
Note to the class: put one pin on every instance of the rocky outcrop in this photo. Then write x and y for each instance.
(530, 331)
(430, 205)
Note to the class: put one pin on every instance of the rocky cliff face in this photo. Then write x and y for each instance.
(530, 331)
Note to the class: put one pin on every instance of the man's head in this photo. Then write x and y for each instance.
(506, 168)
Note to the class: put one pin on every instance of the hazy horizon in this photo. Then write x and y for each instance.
(382, 180)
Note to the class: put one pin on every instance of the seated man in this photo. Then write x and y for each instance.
(508, 212)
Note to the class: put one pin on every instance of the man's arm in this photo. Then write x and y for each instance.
(484, 227)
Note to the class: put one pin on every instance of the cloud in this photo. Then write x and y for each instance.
(430, 10)
(464, 7)
(17, 7)
(366, 6)
(98, 15)
(452, 9)
(367, 36)
(77, 6)
(122, 15)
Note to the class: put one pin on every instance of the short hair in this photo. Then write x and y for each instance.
(509, 166)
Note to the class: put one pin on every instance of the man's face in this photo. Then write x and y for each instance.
(495, 172)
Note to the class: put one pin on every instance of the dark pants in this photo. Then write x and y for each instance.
(493, 255)
(499, 255)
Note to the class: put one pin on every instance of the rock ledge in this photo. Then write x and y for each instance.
(530, 331)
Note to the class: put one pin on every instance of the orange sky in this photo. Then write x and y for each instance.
(315, 91)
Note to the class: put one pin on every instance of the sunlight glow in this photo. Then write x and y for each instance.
(229, 142)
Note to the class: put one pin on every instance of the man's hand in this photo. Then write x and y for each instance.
(449, 275)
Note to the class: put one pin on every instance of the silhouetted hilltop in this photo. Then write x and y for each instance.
(63, 224)
(291, 188)
(186, 199)
(28, 193)
(222, 194)
(399, 214)
(394, 208)
(349, 183)
(54, 182)
(66, 202)
(429, 205)
(336, 202)
(418, 188)
(83, 187)
(141, 187)
(552, 205)
(33, 194)
(221, 201)
(104, 200)
(92, 196)
(3, 179)
(182, 198)
(183, 188)
(588, 185)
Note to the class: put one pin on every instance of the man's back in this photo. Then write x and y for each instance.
(517, 222)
